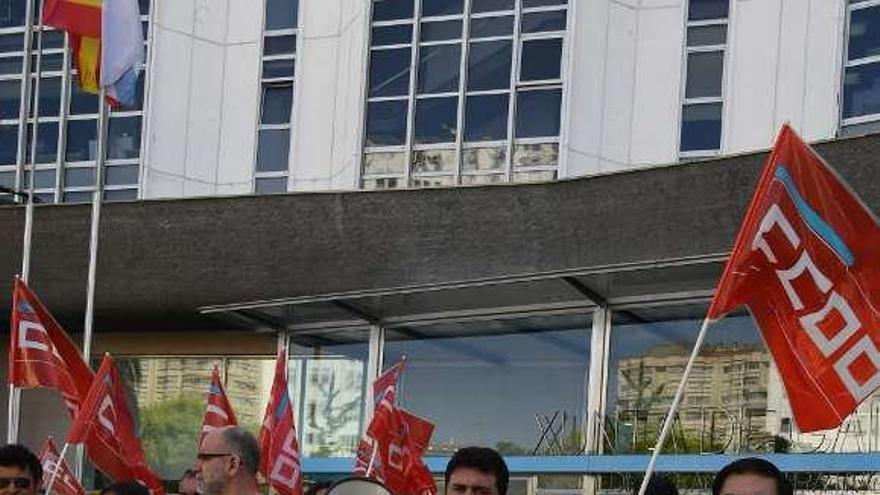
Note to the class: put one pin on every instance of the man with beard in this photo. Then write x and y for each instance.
(228, 461)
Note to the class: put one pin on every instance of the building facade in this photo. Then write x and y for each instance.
(550, 320)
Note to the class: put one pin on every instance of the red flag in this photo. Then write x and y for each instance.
(65, 482)
(40, 352)
(401, 439)
(279, 449)
(106, 418)
(219, 412)
(807, 264)
(389, 378)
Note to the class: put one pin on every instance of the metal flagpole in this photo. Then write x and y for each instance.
(14, 401)
(667, 424)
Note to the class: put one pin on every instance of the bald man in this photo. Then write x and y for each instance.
(228, 460)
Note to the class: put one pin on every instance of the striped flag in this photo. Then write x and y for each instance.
(218, 412)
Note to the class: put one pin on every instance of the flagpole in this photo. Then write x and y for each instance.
(667, 424)
(57, 468)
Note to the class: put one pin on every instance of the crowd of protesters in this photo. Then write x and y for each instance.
(228, 461)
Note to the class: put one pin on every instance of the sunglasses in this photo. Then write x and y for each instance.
(18, 482)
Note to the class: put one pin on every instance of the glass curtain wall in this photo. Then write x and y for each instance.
(463, 92)
(67, 125)
(860, 106)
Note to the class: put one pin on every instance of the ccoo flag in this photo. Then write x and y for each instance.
(279, 449)
(806, 262)
(65, 482)
(219, 411)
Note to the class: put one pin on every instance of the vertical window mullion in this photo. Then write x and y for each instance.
(462, 88)
(413, 82)
(516, 53)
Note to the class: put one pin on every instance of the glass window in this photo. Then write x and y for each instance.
(281, 14)
(489, 65)
(441, 7)
(392, 35)
(12, 13)
(7, 179)
(433, 161)
(10, 99)
(276, 45)
(483, 158)
(386, 123)
(47, 142)
(79, 177)
(51, 39)
(76, 197)
(50, 96)
(439, 31)
(699, 10)
(50, 62)
(861, 90)
(530, 368)
(11, 42)
(704, 74)
(541, 59)
(707, 35)
(387, 10)
(43, 179)
(8, 144)
(535, 155)
(270, 185)
(486, 118)
(537, 113)
(168, 400)
(389, 72)
(701, 127)
(534, 22)
(120, 175)
(82, 102)
(82, 140)
(326, 376)
(277, 101)
(284, 67)
(124, 137)
(10, 65)
(273, 150)
(864, 33)
(484, 27)
(120, 194)
(478, 6)
(439, 68)
(436, 120)
(384, 163)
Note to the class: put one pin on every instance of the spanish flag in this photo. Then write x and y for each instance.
(107, 43)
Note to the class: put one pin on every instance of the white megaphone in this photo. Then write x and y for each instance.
(358, 486)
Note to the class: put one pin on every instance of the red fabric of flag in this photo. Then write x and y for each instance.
(401, 439)
(806, 262)
(105, 416)
(218, 412)
(65, 482)
(389, 378)
(279, 448)
(78, 17)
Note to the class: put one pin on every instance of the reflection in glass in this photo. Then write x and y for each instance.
(701, 127)
(542, 3)
(535, 176)
(704, 74)
(8, 144)
(707, 9)
(534, 22)
(386, 123)
(248, 385)
(43, 179)
(535, 155)
(489, 65)
(391, 35)
(389, 72)
(537, 113)
(124, 137)
(439, 68)
(864, 33)
(120, 195)
(326, 381)
(11, 42)
(9, 99)
(76, 197)
(10, 65)
(120, 175)
(861, 90)
(483, 158)
(433, 161)
(279, 68)
(270, 185)
(277, 45)
(530, 368)
(491, 5)
(439, 31)
(281, 14)
(51, 39)
(50, 62)
(541, 60)
(79, 177)
(441, 7)
(82, 102)
(47, 142)
(82, 140)
(486, 118)
(384, 163)
(707, 35)
(273, 150)
(483, 27)
(436, 120)
(12, 13)
(386, 10)
(277, 101)
(50, 96)
(7, 179)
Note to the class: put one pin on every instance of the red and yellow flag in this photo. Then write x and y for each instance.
(82, 21)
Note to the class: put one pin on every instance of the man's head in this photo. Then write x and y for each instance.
(20, 471)
(476, 471)
(189, 483)
(751, 476)
(228, 458)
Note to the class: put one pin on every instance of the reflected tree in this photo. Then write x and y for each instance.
(170, 434)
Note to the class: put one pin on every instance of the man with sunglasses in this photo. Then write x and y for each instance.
(228, 460)
(20, 471)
